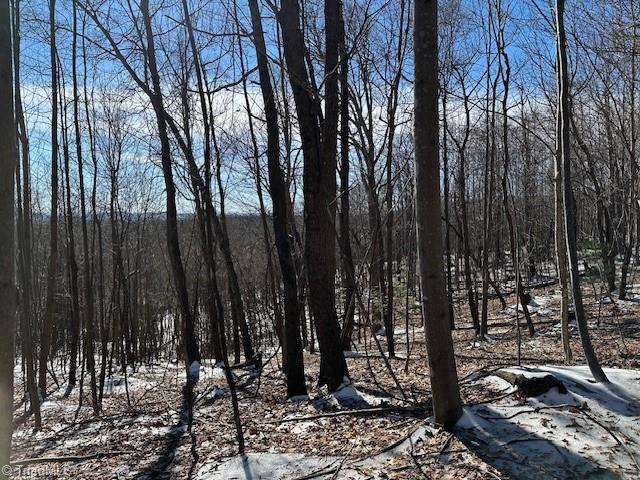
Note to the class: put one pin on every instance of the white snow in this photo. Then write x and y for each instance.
(349, 396)
(558, 433)
(118, 385)
(194, 371)
(298, 398)
(214, 373)
(352, 354)
(267, 466)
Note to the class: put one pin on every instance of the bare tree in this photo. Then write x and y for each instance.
(89, 317)
(319, 138)
(279, 197)
(50, 307)
(8, 161)
(346, 253)
(25, 241)
(447, 405)
(570, 227)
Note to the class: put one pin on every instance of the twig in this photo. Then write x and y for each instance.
(499, 397)
(562, 406)
(415, 460)
(341, 464)
(615, 437)
(445, 444)
(363, 412)
(74, 458)
(327, 470)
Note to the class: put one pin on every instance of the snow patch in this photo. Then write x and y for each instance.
(298, 398)
(591, 431)
(267, 466)
(194, 371)
(348, 395)
(352, 354)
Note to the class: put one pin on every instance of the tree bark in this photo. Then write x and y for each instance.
(8, 161)
(279, 193)
(569, 201)
(319, 150)
(25, 242)
(346, 254)
(442, 367)
(45, 342)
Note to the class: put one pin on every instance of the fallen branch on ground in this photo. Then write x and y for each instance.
(73, 458)
(361, 412)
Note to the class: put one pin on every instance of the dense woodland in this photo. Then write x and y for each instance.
(315, 239)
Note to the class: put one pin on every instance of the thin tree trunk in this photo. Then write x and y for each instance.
(569, 202)
(391, 119)
(489, 184)
(173, 243)
(346, 254)
(86, 270)
(279, 193)
(72, 264)
(447, 232)
(25, 242)
(561, 246)
(45, 342)
(273, 284)
(513, 241)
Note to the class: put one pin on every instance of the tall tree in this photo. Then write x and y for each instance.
(447, 405)
(25, 242)
(8, 160)
(173, 243)
(279, 198)
(89, 317)
(346, 254)
(49, 314)
(570, 227)
(319, 143)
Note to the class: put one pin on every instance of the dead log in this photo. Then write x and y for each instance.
(531, 386)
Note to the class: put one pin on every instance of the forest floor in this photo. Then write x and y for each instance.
(373, 428)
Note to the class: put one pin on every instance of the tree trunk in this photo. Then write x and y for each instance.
(318, 139)
(509, 214)
(567, 194)
(47, 328)
(25, 242)
(72, 264)
(89, 317)
(489, 187)
(447, 231)
(173, 243)
(561, 247)
(346, 254)
(8, 161)
(279, 193)
(447, 405)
